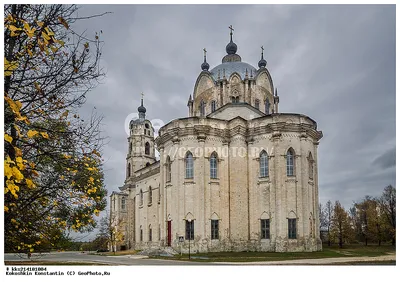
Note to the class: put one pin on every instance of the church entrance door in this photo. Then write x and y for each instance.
(169, 233)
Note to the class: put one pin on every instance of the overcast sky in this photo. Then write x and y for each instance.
(335, 64)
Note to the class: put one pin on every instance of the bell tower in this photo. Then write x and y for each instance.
(141, 151)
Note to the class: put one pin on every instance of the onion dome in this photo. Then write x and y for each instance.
(142, 110)
(231, 48)
(205, 66)
(262, 63)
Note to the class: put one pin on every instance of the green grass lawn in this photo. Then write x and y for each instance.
(327, 252)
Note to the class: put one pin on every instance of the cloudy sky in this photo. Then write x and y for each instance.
(335, 64)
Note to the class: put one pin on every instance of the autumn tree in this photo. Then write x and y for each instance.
(328, 211)
(112, 230)
(387, 206)
(341, 228)
(52, 157)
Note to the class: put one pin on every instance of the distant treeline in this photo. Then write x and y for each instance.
(372, 220)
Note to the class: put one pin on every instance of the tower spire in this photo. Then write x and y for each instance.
(142, 109)
(205, 66)
(262, 63)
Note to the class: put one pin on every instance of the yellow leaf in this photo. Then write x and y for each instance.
(9, 67)
(13, 28)
(40, 23)
(30, 183)
(8, 138)
(49, 32)
(30, 52)
(18, 152)
(65, 24)
(45, 36)
(32, 133)
(45, 135)
(28, 30)
(13, 221)
(7, 170)
(17, 174)
(6, 209)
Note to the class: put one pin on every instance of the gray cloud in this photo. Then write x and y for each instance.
(334, 63)
(387, 159)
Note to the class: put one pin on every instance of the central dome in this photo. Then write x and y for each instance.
(232, 67)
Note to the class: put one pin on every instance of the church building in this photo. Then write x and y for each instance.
(234, 175)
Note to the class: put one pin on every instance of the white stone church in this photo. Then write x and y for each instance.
(234, 175)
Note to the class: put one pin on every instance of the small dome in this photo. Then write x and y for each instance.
(141, 109)
(205, 66)
(262, 63)
(231, 48)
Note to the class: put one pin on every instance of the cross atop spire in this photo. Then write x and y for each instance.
(231, 28)
(262, 52)
(205, 66)
(205, 54)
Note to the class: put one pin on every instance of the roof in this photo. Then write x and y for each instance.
(232, 67)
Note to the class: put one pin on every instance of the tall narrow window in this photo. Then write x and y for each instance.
(292, 228)
(263, 164)
(310, 166)
(257, 104)
(168, 169)
(147, 148)
(159, 232)
(202, 108)
(189, 165)
(123, 203)
(141, 197)
(214, 165)
(213, 106)
(150, 195)
(130, 147)
(214, 229)
(267, 104)
(189, 230)
(150, 234)
(128, 172)
(265, 229)
(290, 162)
(141, 234)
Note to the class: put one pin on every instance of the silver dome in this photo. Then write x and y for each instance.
(230, 68)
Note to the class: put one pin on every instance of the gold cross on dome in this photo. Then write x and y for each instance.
(262, 48)
(205, 51)
(231, 28)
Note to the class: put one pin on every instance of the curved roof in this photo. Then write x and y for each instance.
(231, 67)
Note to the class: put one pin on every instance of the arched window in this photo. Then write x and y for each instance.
(150, 195)
(128, 172)
(310, 166)
(141, 197)
(150, 234)
(123, 203)
(168, 169)
(213, 106)
(257, 104)
(147, 125)
(141, 233)
(147, 148)
(189, 165)
(290, 162)
(267, 104)
(202, 108)
(263, 164)
(214, 165)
